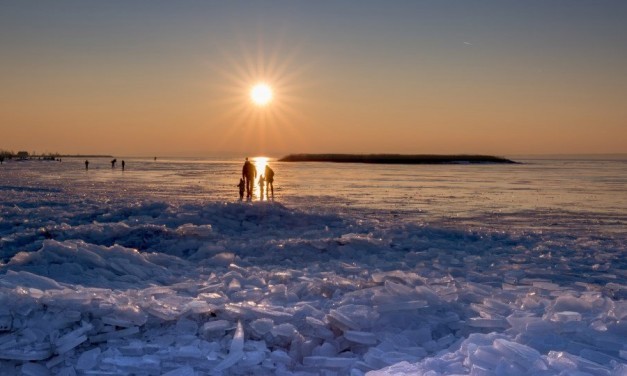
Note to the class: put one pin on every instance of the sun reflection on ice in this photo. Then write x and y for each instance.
(260, 165)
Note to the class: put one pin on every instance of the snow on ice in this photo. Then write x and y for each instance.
(178, 288)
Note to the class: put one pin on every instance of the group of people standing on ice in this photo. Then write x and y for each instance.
(113, 162)
(247, 182)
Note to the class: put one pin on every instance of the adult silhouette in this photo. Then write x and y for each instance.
(269, 173)
(249, 173)
(86, 164)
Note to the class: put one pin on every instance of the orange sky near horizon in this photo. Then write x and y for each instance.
(155, 79)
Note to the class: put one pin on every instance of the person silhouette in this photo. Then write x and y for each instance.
(242, 187)
(86, 165)
(262, 182)
(249, 173)
(123, 165)
(113, 162)
(269, 180)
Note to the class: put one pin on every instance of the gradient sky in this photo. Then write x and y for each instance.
(171, 78)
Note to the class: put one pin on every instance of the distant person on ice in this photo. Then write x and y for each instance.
(113, 162)
(123, 165)
(86, 164)
(242, 187)
(249, 173)
(269, 173)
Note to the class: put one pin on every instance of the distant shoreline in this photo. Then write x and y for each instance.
(396, 158)
(85, 156)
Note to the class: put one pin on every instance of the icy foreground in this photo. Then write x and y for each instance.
(109, 287)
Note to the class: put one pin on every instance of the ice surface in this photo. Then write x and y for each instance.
(88, 359)
(33, 369)
(109, 335)
(402, 306)
(328, 362)
(72, 339)
(262, 326)
(479, 322)
(353, 316)
(156, 285)
(566, 316)
(6, 321)
(235, 351)
(27, 279)
(182, 371)
(364, 338)
(215, 328)
(285, 330)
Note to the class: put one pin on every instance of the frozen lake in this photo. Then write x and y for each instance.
(351, 269)
(535, 194)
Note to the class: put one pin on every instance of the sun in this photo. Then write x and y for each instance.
(261, 94)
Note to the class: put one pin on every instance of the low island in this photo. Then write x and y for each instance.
(395, 158)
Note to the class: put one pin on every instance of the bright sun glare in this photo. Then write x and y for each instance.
(261, 94)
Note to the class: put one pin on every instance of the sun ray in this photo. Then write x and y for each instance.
(267, 121)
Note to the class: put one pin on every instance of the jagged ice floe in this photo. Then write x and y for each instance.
(162, 287)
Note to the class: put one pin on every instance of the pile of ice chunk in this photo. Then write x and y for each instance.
(157, 288)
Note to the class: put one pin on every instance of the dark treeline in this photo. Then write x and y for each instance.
(10, 154)
(7, 154)
(85, 156)
(394, 158)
